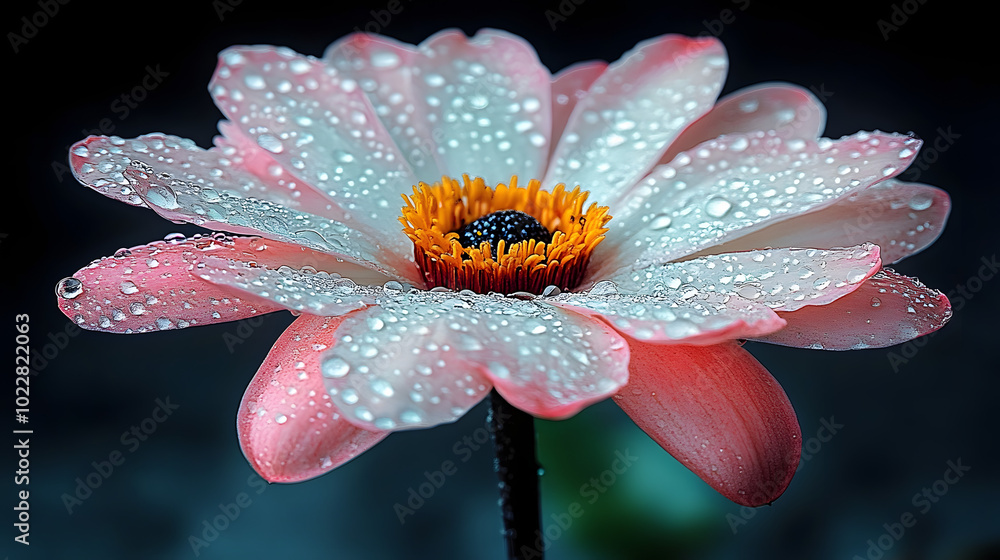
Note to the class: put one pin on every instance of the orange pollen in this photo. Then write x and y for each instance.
(434, 213)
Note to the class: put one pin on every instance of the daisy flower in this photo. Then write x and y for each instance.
(451, 219)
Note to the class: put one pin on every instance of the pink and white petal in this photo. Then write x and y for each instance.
(720, 413)
(318, 293)
(735, 185)
(557, 362)
(791, 111)
(781, 279)
(634, 110)
(687, 316)
(423, 358)
(385, 69)
(887, 309)
(149, 288)
(320, 127)
(569, 86)
(902, 218)
(182, 201)
(101, 161)
(289, 429)
(488, 101)
(244, 152)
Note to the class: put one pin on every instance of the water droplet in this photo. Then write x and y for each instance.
(385, 59)
(920, 201)
(128, 288)
(717, 207)
(876, 302)
(335, 367)
(136, 308)
(661, 221)
(69, 288)
(270, 143)
(280, 418)
(253, 81)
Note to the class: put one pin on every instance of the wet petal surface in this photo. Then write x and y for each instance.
(633, 110)
(887, 309)
(781, 279)
(720, 413)
(735, 185)
(288, 426)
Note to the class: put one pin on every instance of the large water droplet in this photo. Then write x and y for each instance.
(920, 201)
(69, 288)
(270, 143)
(717, 207)
(335, 367)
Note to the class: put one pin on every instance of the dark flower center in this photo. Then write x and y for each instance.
(513, 226)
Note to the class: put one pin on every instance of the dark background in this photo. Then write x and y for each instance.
(901, 425)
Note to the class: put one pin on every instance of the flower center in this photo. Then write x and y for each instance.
(501, 239)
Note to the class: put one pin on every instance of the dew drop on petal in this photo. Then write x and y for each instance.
(335, 367)
(920, 201)
(69, 288)
(717, 207)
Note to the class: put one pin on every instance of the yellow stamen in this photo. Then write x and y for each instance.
(434, 213)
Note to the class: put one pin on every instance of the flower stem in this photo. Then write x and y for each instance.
(514, 438)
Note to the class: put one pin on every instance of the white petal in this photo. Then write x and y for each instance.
(735, 185)
(188, 202)
(321, 128)
(634, 110)
(422, 358)
(685, 315)
(782, 279)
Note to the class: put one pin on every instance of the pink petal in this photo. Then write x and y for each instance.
(288, 427)
(320, 127)
(244, 152)
(887, 309)
(575, 362)
(673, 316)
(496, 79)
(792, 111)
(634, 110)
(423, 358)
(781, 279)
(737, 184)
(902, 218)
(456, 105)
(101, 161)
(720, 413)
(149, 287)
(386, 67)
(569, 86)
(182, 201)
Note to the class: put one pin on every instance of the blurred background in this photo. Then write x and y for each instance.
(903, 413)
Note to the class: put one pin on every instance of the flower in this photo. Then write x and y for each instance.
(708, 223)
